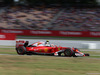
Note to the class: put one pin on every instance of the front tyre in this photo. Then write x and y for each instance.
(68, 52)
(21, 50)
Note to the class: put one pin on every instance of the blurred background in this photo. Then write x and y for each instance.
(75, 22)
(68, 23)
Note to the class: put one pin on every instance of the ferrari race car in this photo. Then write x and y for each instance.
(23, 47)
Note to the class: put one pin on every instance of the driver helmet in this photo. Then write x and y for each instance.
(47, 43)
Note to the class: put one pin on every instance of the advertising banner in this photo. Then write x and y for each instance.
(7, 36)
(51, 33)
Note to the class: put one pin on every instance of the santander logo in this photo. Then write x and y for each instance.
(95, 33)
(41, 32)
(70, 33)
(11, 31)
(2, 36)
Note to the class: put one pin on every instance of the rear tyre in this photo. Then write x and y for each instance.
(68, 52)
(21, 50)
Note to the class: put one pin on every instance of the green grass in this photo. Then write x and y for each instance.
(42, 65)
(93, 54)
(7, 51)
(47, 65)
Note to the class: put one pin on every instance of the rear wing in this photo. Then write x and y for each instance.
(20, 43)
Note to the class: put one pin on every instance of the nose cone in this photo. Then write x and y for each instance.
(79, 54)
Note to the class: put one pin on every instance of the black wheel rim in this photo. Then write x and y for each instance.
(20, 50)
(67, 52)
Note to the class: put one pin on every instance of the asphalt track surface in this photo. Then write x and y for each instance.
(69, 43)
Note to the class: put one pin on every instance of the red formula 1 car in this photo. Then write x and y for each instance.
(22, 48)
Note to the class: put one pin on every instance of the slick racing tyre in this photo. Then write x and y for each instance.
(68, 52)
(21, 50)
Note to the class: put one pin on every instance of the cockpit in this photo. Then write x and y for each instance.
(42, 44)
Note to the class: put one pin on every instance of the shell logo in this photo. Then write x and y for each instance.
(46, 49)
(40, 50)
(58, 48)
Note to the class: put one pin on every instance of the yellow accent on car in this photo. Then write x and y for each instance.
(38, 43)
(58, 48)
(46, 49)
(40, 50)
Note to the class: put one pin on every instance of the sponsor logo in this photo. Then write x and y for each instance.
(41, 32)
(95, 33)
(32, 48)
(2, 36)
(58, 48)
(40, 50)
(11, 31)
(46, 49)
(35, 49)
(70, 33)
(20, 43)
